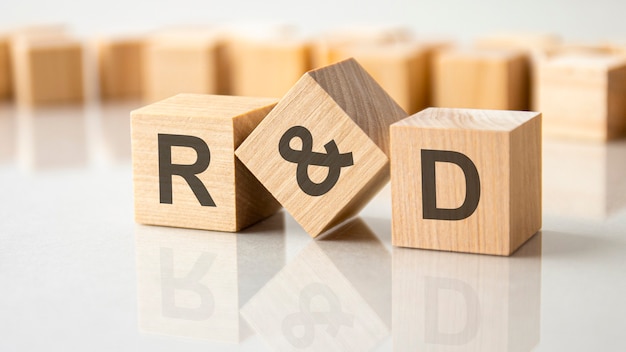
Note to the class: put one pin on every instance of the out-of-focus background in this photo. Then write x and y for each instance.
(77, 273)
(577, 20)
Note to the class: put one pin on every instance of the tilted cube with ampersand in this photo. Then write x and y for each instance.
(322, 152)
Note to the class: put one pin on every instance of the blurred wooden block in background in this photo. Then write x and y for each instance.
(535, 45)
(325, 45)
(527, 41)
(185, 61)
(582, 96)
(184, 169)
(482, 80)
(322, 152)
(266, 67)
(48, 70)
(120, 67)
(401, 69)
(5, 68)
(466, 180)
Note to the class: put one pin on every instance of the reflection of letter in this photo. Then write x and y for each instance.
(432, 288)
(190, 283)
(188, 172)
(429, 187)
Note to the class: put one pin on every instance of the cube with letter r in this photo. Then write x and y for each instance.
(466, 180)
(185, 173)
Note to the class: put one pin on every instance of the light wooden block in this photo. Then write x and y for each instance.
(120, 67)
(462, 302)
(5, 68)
(323, 300)
(482, 80)
(528, 41)
(266, 67)
(582, 96)
(325, 46)
(537, 46)
(466, 180)
(216, 192)
(401, 69)
(344, 113)
(183, 62)
(48, 71)
(192, 283)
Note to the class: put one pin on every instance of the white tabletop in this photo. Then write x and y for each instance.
(76, 272)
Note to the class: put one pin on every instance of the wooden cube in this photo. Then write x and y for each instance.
(582, 96)
(120, 67)
(48, 71)
(5, 68)
(192, 283)
(321, 301)
(325, 47)
(401, 69)
(536, 46)
(322, 152)
(266, 68)
(462, 302)
(183, 62)
(466, 180)
(482, 80)
(184, 168)
(527, 41)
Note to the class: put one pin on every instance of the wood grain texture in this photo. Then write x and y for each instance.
(120, 67)
(48, 70)
(6, 81)
(267, 68)
(400, 69)
(187, 62)
(504, 146)
(340, 103)
(593, 87)
(222, 122)
(482, 80)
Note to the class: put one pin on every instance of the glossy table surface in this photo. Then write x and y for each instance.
(77, 273)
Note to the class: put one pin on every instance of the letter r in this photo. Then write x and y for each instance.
(188, 172)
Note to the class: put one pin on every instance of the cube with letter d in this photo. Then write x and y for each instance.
(466, 180)
(185, 172)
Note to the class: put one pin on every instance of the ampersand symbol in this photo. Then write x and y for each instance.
(305, 157)
(334, 318)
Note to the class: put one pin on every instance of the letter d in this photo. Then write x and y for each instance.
(429, 187)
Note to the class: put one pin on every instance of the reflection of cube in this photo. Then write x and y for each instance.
(267, 68)
(324, 147)
(193, 283)
(319, 301)
(5, 68)
(48, 71)
(185, 170)
(401, 69)
(186, 62)
(482, 80)
(582, 96)
(461, 302)
(120, 67)
(584, 180)
(466, 180)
